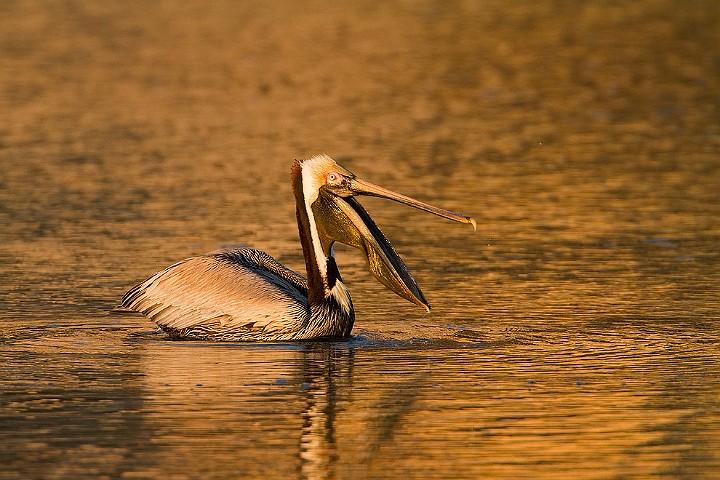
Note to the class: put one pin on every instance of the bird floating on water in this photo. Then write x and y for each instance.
(246, 295)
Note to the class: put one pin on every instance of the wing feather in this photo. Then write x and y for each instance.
(240, 289)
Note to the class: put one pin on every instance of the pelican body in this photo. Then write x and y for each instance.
(245, 295)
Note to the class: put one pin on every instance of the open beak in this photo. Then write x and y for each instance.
(345, 220)
(361, 187)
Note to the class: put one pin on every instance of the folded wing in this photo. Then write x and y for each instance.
(222, 293)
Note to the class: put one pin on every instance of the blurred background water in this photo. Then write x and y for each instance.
(575, 335)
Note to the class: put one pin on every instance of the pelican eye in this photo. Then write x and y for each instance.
(334, 178)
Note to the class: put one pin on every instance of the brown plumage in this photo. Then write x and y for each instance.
(246, 295)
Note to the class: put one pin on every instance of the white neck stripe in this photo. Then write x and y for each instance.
(310, 194)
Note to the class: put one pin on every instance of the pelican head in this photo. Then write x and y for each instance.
(327, 207)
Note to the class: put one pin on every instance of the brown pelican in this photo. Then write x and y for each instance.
(246, 295)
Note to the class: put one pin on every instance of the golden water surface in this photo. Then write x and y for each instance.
(575, 335)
